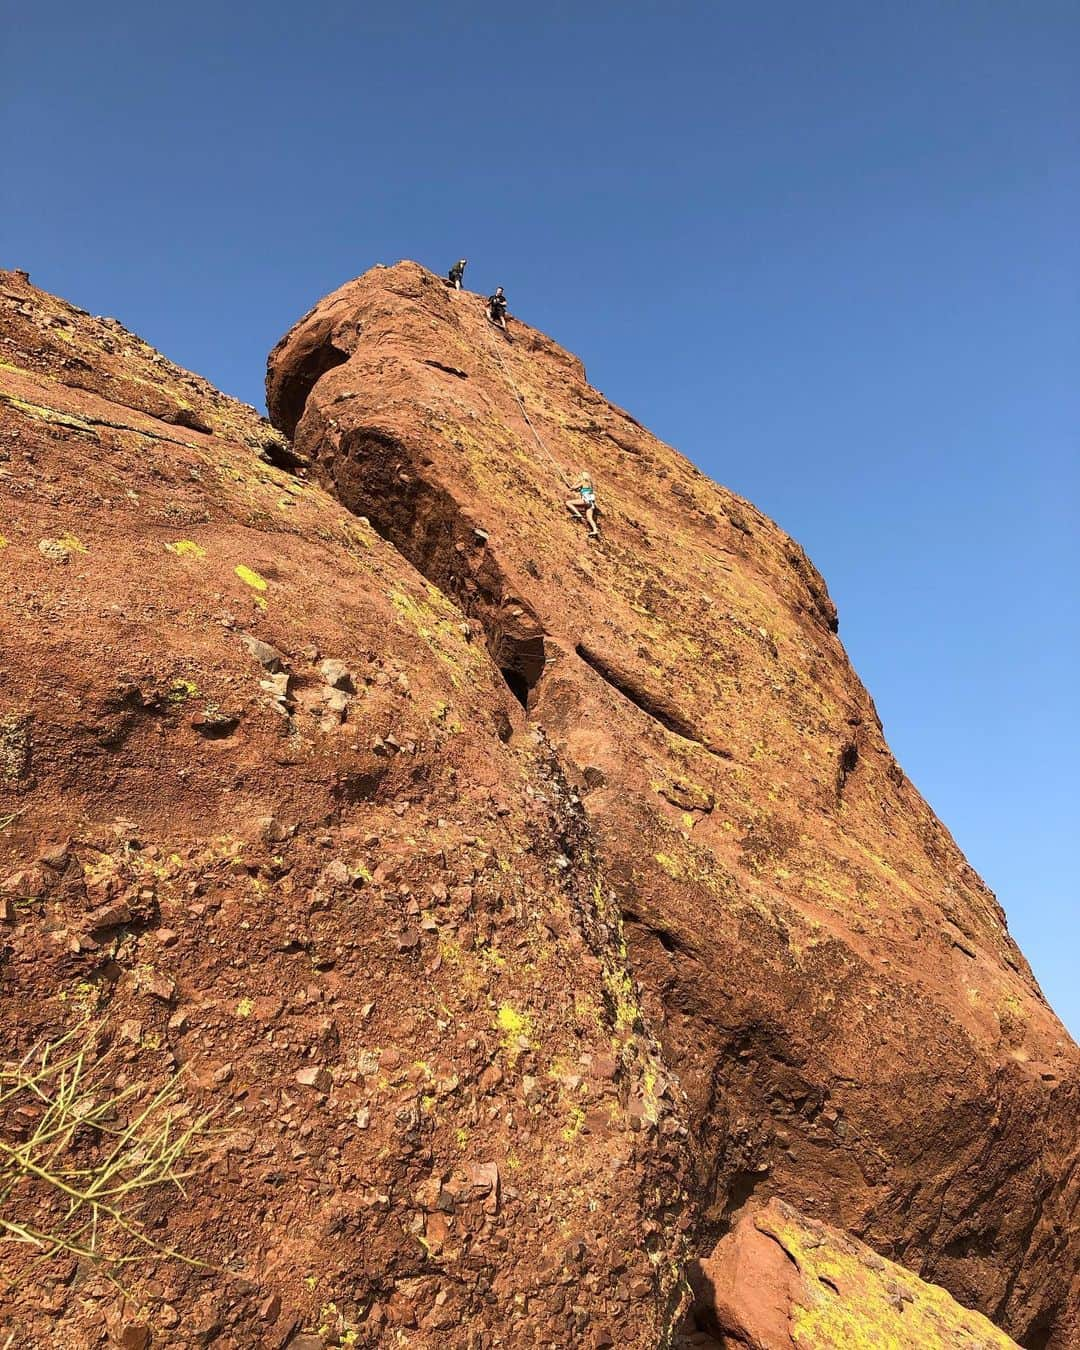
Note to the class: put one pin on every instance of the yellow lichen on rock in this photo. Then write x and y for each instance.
(780, 1279)
(516, 1027)
(250, 577)
(188, 548)
(856, 1299)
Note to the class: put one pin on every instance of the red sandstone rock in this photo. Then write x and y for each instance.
(662, 726)
(282, 954)
(780, 1280)
(835, 988)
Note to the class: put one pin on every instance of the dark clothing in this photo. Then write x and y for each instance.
(456, 273)
(497, 306)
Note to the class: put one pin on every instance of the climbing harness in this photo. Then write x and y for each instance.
(528, 421)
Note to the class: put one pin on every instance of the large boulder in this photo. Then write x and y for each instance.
(779, 1280)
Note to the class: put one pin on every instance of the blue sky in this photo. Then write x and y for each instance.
(829, 251)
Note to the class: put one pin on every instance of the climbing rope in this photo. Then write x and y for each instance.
(528, 421)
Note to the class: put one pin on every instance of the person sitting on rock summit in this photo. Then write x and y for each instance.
(457, 272)
(496, 310)
(586, 498)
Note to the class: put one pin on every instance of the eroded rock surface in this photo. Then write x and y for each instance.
(834, 986)
(270, 816)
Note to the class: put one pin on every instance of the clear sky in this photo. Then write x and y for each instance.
(828, 250)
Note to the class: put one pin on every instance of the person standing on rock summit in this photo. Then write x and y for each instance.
(457, 272)
(496, 311)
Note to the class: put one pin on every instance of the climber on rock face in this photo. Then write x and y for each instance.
(457, 272)
(585, 499)
(496, 311)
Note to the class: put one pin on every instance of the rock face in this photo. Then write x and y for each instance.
(483, 922)
(269, 815)
(834, 986)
